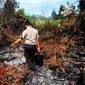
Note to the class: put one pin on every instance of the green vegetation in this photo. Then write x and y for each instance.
(68, 17)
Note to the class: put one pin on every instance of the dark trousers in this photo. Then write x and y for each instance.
(29, 53)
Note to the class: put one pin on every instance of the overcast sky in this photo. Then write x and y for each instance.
(43, 7)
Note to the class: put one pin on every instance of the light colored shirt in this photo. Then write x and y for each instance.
(30, 35)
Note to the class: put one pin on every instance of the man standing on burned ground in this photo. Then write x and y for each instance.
(31, 44)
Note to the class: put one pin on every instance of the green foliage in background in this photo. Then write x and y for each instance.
(46, 25)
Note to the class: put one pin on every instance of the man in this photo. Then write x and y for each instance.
(31, 44)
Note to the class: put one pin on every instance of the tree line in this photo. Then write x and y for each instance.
(12, 20)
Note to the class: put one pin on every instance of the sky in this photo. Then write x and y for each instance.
(43, 7)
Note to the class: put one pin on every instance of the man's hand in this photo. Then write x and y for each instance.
(38, 49)
(16, 42)
(12, 45)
